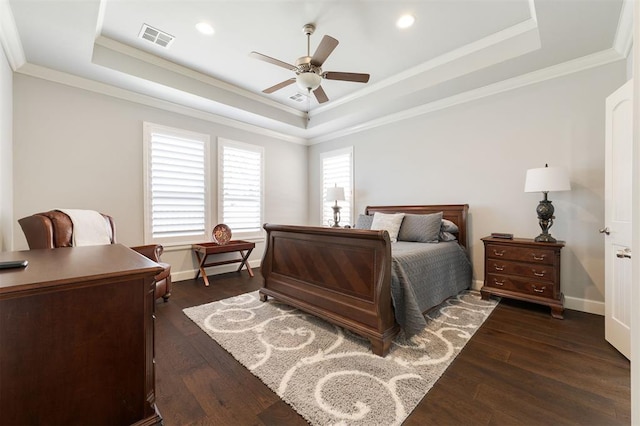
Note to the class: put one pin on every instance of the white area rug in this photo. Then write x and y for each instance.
(328, 374)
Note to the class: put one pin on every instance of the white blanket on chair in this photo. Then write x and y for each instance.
(90, 228)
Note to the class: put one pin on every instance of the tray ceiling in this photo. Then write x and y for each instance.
(454, 48)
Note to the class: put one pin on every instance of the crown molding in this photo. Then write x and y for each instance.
(576, 65)
(149, 58)
(624, 34)
(532, 11)
(127, 95)
(9, 37)
(580, 64)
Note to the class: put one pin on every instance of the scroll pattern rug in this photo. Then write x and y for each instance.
(328, 374)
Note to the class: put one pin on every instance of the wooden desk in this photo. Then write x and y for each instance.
(76, 337)
(204, 250)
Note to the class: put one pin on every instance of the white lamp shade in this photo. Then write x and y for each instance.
(308, 80)
(546, 179)
(335, 193)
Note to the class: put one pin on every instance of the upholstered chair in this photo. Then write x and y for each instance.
(54, 229)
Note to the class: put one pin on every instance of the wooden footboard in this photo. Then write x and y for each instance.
(340, 275)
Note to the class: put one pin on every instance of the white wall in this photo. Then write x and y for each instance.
(6, 153)
(630, 64)
(478, 153)
(78, 149)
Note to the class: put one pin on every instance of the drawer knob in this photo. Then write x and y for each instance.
(539, 290)
(498, 253)
(538, 274)
(496, 282)
(536, 257)
(499, 268)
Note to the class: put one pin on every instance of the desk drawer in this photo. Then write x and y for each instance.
(524, 254)
(536, 288)
(529, 270)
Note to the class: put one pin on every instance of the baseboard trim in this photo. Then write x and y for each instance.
(575, 303)
(584, 305)
(477, 285)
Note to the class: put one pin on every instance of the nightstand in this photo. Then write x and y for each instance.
(523, 269)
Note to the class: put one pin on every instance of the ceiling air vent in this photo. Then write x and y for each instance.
(299, 97)
(156, 36)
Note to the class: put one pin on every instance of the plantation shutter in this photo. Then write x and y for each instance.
(337, 170)
(241, 187)
(177, 185)
(177, 175)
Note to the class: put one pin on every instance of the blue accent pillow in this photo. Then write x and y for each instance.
(364, 221)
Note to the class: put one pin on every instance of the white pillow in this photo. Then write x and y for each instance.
(388, 222)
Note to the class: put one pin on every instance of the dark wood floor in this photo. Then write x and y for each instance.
(521, 367)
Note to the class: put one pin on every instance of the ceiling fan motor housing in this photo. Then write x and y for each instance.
(308, 29)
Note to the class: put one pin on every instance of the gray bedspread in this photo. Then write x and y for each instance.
(422, 276)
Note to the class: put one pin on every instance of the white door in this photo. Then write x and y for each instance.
(617, 216)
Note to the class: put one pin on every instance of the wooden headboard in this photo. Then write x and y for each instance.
(456, 213)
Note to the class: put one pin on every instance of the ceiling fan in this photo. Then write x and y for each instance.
(308, 69)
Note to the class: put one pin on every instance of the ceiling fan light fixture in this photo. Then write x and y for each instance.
(308, 80)
(405, 21)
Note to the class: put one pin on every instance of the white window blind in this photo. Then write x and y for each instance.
(337, 170)
(240, 189)
(177, 207)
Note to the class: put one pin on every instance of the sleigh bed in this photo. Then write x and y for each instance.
(359, 280)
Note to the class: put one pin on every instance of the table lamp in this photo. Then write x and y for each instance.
(546, 179)
(336, 194)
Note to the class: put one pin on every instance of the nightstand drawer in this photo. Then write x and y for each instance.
(524, 254)
(540, 289)
(529, 270)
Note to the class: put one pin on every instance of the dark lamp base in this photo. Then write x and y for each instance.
(545, 219)
(545, 238)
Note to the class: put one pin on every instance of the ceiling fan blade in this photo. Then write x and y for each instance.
(271, 60)
(320, 95)
(323, 51)
(346, 76)
(279, 86)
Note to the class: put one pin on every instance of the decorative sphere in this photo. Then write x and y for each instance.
(545, 210)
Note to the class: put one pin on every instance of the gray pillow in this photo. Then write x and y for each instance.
(364, 221)
(448, 226)
(422, 228)
(447, 236)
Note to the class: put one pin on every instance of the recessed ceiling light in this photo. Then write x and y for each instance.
(204, 28)
(405, 21)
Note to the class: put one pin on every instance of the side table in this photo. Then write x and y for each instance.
(523, 269)
(204, 250)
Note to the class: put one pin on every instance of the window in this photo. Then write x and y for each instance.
(240, 187)
(337, 170)
(176, 172)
